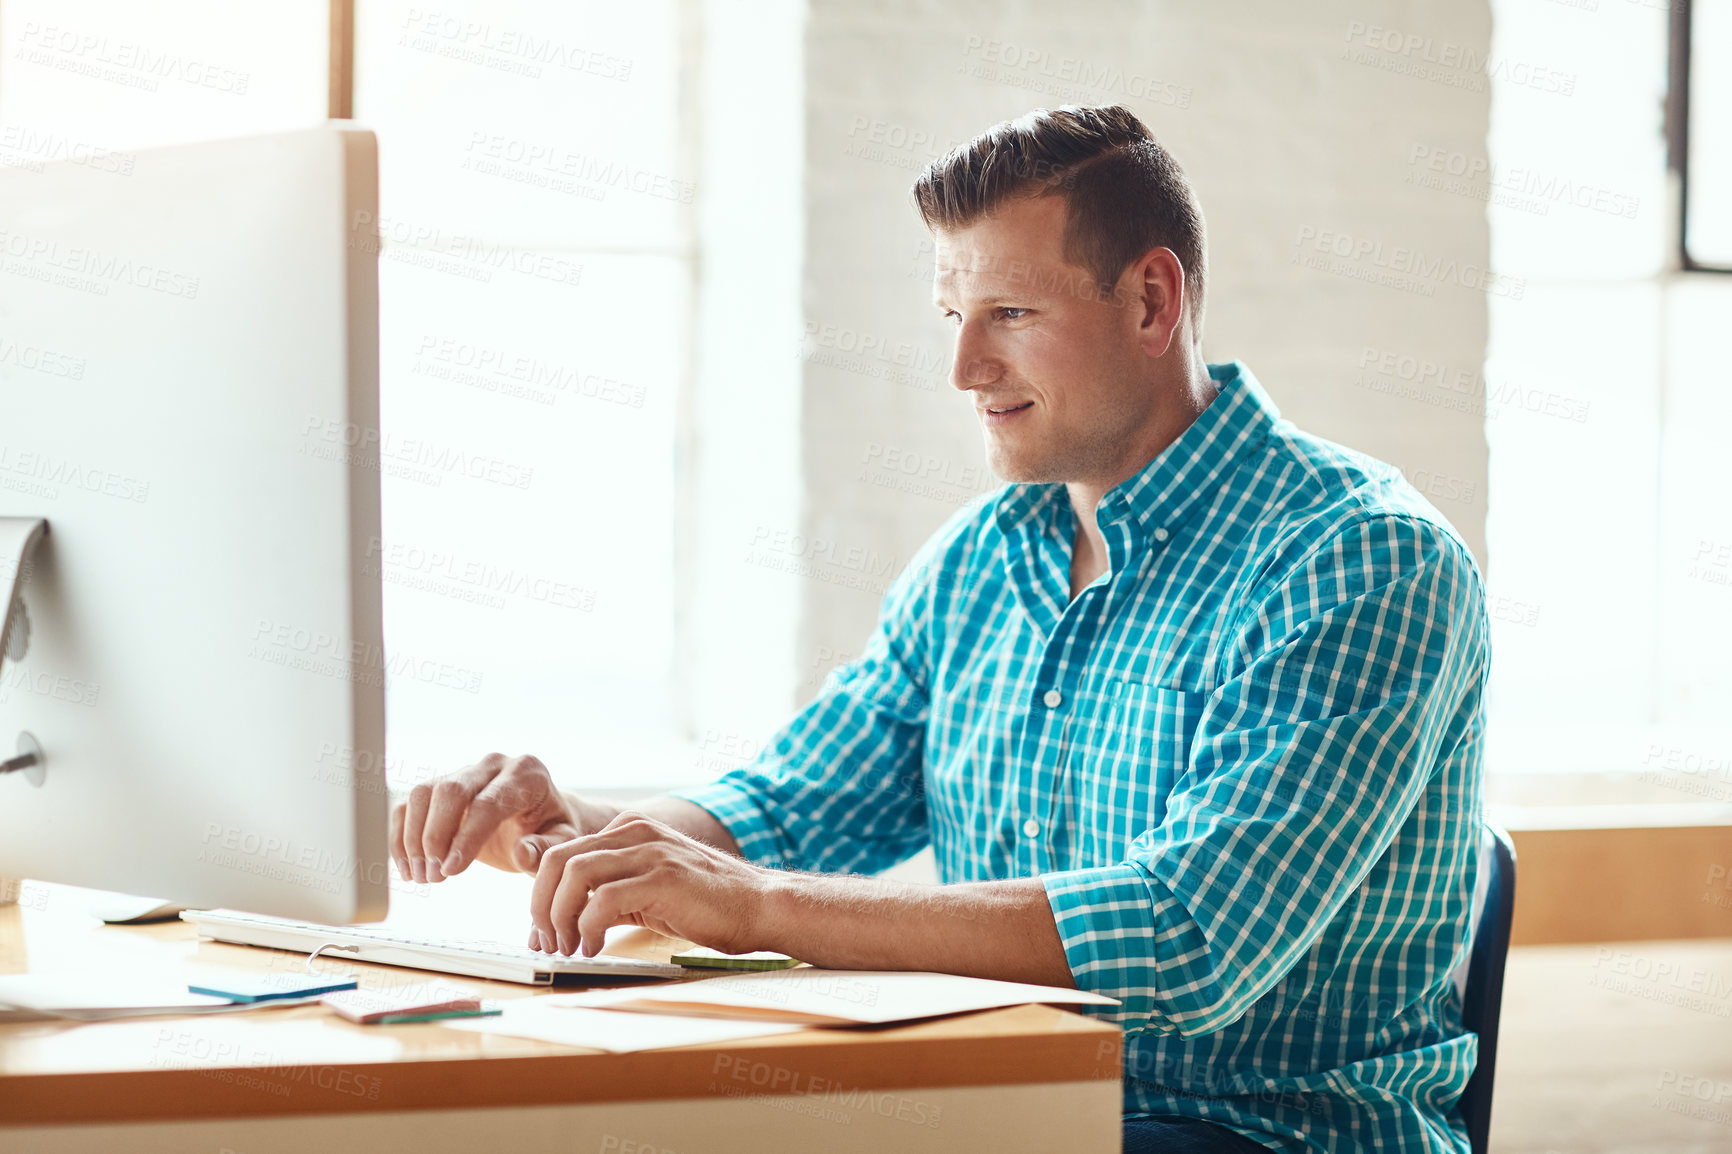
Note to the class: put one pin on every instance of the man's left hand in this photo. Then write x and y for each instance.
(639, 871)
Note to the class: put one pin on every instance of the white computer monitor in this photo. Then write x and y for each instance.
(189, 397)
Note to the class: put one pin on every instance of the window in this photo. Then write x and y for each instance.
(535, 285)
(536, 272)
(1608, 516)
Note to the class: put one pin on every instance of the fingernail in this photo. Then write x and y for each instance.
(418, 869)
(546, 947)
(452, 864)
(433, 872)
(531, 849)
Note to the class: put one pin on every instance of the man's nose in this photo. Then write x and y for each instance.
(971, 365)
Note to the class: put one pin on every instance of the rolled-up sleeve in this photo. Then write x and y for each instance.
(840, 788)
(1345, 679)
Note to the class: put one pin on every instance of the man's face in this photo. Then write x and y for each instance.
(1058, 377)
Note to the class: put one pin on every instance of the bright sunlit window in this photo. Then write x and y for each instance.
(1608, 510)
(535, 267)
(535, 279)
(82, 79)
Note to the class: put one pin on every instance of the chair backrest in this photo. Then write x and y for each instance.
(1482, 997)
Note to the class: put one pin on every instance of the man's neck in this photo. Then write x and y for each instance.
(1088, 545)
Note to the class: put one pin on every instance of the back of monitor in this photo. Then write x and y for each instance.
(189, 396)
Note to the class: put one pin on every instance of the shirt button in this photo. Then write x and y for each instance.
(1031, 828)
(1160, 534)
(1053, 700)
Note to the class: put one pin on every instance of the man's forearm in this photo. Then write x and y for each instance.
(1002, 930)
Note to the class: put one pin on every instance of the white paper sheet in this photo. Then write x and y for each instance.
(828, 997)
(617, 1033)
(99, 995)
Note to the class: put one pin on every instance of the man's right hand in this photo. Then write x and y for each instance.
(504, 811)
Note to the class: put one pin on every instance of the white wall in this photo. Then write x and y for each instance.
(1290, 120)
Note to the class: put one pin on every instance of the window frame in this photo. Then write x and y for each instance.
(340, 101)
(1682, 23)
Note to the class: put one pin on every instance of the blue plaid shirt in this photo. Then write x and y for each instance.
(1245, 762)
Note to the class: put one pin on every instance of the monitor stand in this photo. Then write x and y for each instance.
(18, 537)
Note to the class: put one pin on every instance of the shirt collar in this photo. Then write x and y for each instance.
(1165, 491)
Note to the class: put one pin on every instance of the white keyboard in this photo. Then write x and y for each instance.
(475, 959)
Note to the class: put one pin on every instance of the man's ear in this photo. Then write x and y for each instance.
(1159, 282)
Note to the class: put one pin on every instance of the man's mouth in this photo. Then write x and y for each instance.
(992, 416)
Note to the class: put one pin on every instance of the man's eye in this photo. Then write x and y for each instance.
(953, 316)
(1011, 314)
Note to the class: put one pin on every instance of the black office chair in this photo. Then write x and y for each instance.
(1482, 1001)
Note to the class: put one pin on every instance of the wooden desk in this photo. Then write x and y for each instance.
(299, 1079)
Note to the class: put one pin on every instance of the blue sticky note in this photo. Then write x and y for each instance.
(247, 987)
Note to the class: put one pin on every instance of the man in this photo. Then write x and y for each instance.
(1190, 711)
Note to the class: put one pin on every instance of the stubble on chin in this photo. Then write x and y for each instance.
(1048, 464)
(1018, 468)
